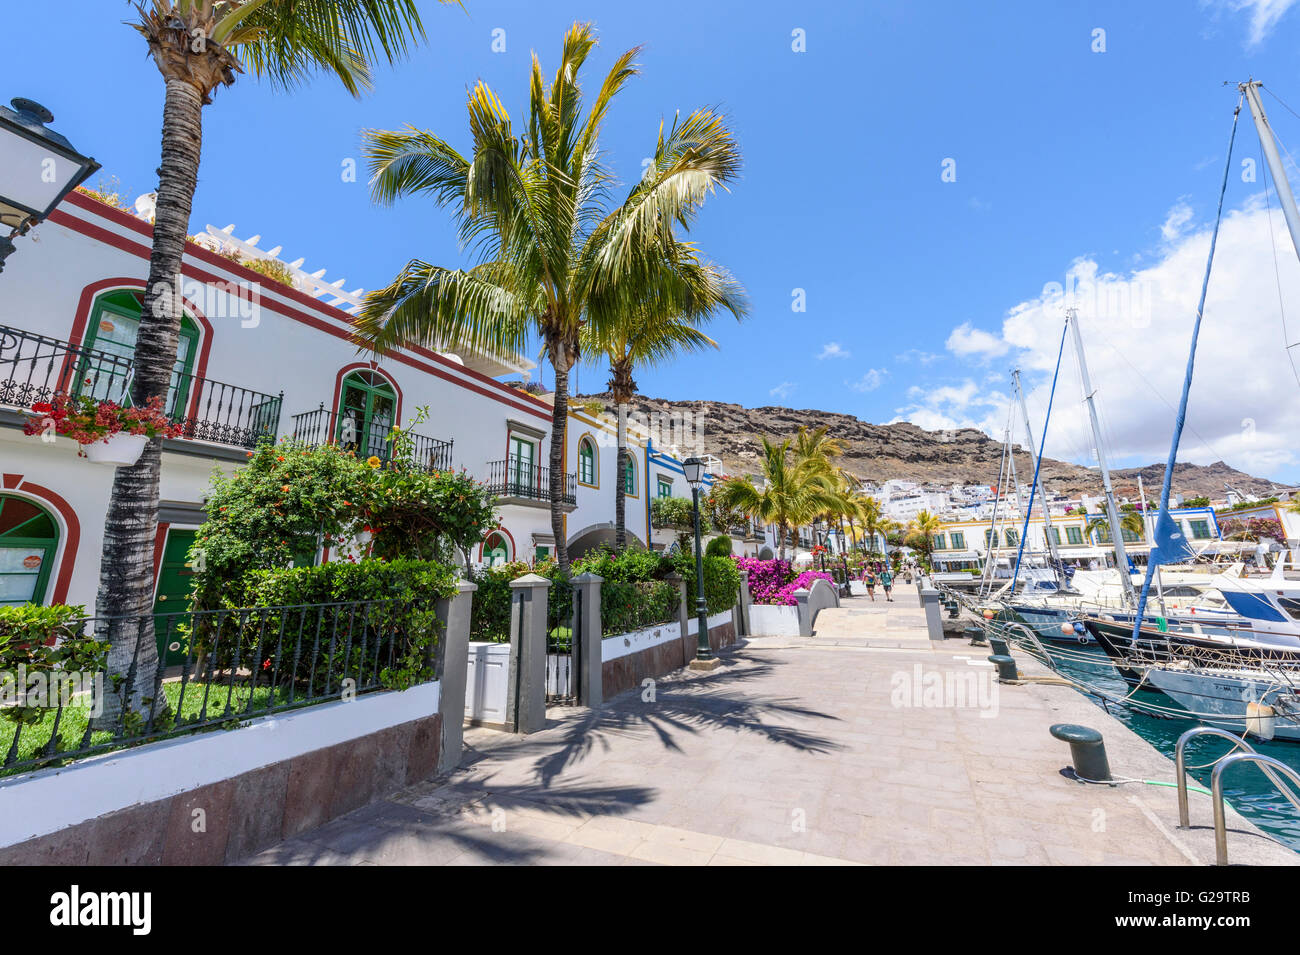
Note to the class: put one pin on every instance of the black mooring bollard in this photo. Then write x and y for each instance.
(1087, 751)
(1006, 667)
(999, 646)
(975, 635)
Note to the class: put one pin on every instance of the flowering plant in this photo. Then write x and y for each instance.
(87, 421)
(766, 578)
(804, 581)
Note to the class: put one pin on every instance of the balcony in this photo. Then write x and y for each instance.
(519, 482)
(35, 368)
(322, 426)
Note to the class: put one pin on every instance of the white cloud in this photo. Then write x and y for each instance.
(915, 354)
(1176, 222)
(953, 406)
(783, 391)
(872, 379)
(1264, 15)
(1136, 329)
(834, 350)
(967, 341)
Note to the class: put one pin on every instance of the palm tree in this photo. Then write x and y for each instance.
(646, 337)
(814, 460)
(553, 260)
(788, 497)
(872, 515)
(926, 525)
(199, 46)
(1130, 521)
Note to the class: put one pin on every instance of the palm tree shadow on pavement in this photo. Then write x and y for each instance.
(680, 704)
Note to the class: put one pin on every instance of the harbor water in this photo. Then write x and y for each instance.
(1245, 788)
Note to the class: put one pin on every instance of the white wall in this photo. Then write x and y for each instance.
(286, 344)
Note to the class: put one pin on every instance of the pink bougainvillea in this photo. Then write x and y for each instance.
(774, 581)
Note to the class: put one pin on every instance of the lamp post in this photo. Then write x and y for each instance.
(694, 468)
(38, 167)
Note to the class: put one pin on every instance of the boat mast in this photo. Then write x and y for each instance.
(990, 558)
(1149, 534)
(1112, 514)
(1033, 453)
(1285, 198)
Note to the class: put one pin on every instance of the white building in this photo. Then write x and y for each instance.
(257, 359)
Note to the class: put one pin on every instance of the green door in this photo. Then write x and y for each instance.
(367, 414)
(175, 580)
(113, 328)
(523, 481)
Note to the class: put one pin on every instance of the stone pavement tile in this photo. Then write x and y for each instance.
(298, 852)
(667, 854)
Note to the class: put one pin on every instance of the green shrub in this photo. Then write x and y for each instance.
(626, 606)
(721, 581)
(393, 642)
(718, 547)
(289, 500)
(490, 610)
(45, 639)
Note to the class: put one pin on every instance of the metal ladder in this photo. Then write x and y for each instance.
(1266, 764)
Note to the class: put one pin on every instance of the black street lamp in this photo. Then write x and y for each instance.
(38, 167)
(694, 469)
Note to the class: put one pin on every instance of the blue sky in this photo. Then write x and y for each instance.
(1062, 156)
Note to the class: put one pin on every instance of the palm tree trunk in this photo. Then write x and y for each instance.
(620, 481)
(559, 428)
(131, 522)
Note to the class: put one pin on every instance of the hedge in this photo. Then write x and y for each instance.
(342, 640)
(634, 595)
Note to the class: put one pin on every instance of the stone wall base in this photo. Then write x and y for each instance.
(249, 812)
(628, 671)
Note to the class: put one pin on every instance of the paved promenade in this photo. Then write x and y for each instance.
(860, 745)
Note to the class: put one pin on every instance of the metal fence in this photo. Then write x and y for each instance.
(629, 606)
(215, 668)
(563, 624)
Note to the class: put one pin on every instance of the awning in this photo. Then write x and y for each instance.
(960, 555)
(1083, 553)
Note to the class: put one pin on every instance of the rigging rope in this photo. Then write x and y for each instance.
(1167, 483)
(1024, 530)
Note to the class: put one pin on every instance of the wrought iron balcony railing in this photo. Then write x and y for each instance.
(214, 411)
(368, 439)
(35, 368)
(517, 478)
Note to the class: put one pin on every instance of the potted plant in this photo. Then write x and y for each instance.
(107, 432)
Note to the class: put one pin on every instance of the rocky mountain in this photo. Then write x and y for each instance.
(878, 452)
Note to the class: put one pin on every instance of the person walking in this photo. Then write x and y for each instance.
(887, 581)
(869, 580)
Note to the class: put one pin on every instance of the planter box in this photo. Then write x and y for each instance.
(768, 620)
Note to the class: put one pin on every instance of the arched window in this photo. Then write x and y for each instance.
(991, 537)
(29, 539)
(587, 462)
(367, 413)
(629, 475)
(109, 345)
(496, 549)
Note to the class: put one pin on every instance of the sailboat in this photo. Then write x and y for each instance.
(1247, 679)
